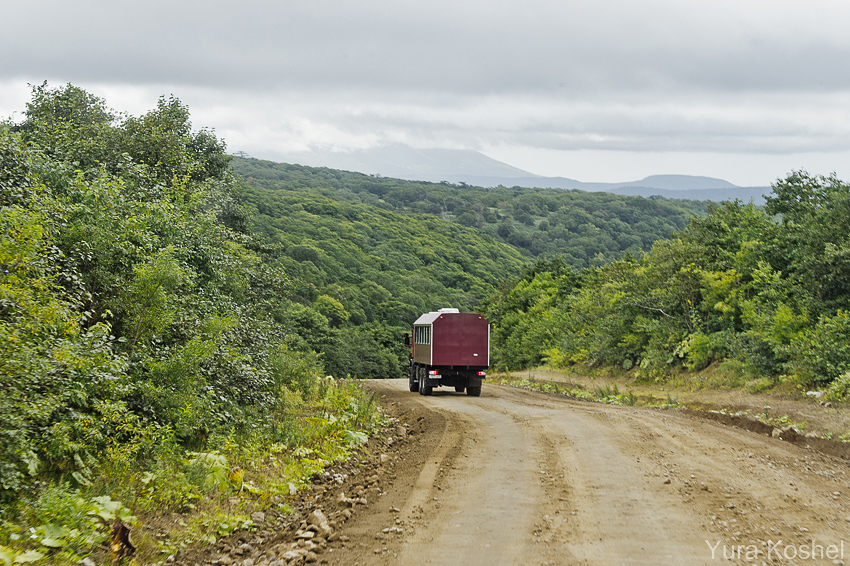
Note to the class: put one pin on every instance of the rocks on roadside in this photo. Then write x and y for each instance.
(785, 432)
(304, 539)
(345, 502)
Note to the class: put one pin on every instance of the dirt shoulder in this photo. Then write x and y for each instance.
(811, 414)
(349, 512)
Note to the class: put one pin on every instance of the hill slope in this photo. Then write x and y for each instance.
(381, 265)
(586, 228)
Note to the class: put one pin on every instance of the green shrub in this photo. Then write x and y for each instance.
(823, 352)
(839, 388)
(700, 350)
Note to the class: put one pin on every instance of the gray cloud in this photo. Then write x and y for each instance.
(475, 46)
(755, 77)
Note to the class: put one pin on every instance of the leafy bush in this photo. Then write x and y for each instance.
(142, 353)
(822, 353)
(839, 388)
(700, 350)
(130, 313)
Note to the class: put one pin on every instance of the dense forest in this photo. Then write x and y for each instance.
(360, 275)
(762, 291)
(654, 286)
(367, 255)
(586, 229)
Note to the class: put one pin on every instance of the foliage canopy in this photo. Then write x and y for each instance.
(134, 304)
(766, 289)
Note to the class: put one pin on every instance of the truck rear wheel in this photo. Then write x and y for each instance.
(420, 378)
(473, 391)
(413, 384)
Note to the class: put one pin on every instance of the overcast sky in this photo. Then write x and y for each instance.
(596, 90)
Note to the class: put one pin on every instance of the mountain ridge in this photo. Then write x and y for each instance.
(466, 166)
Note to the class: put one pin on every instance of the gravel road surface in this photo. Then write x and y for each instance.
(519, 477)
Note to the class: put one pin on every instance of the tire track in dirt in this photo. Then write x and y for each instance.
(480, 496)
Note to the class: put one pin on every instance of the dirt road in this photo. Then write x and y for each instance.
(518, 477)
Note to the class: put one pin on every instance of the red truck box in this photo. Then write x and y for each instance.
(449, 348)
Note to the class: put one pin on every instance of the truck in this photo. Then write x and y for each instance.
(449, 348)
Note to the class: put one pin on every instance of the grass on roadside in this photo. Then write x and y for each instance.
(183, 497)
(609, 394)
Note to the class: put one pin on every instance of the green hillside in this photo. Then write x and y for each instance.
(587, 229)
(362, 274)
(367, 254)
(382, 265)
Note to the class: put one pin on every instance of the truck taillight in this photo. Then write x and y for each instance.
(432, 372)
(482, 373)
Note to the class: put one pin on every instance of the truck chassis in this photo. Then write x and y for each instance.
(424, 378)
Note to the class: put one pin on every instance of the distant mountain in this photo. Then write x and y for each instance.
(404, 162)
(682, 183)
(669, 186)
(474, 168)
